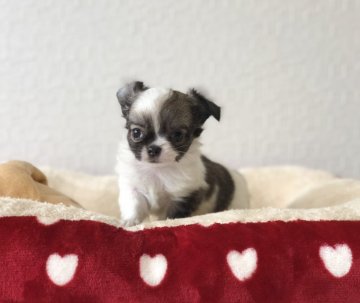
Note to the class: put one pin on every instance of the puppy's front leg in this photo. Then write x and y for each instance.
(133, 205)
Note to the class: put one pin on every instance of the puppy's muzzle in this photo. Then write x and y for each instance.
(154, 151)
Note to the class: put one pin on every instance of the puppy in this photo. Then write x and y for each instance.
(160, 168)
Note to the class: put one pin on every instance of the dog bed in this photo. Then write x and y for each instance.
(299, 243)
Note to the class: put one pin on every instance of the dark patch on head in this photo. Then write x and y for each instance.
(185, 206)
(177, 122)
(128, 94)
(217, 175)
(184, 115)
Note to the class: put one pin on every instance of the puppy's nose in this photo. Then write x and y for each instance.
(154, 151)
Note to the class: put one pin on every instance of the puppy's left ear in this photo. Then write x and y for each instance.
(206, 107)
(128, 94)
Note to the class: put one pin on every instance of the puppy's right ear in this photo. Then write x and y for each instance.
(206, 107)
(128, 94)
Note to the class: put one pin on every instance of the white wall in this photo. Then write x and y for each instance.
(287, 74)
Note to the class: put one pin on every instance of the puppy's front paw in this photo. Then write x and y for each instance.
(130, 222)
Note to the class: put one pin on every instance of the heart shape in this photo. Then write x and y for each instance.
(61, 270)
(337, 260)
(153, 269)
(244, 264)
(47, 220)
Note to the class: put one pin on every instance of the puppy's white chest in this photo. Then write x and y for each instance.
(149, 188)
(163, 185)
(154, 191)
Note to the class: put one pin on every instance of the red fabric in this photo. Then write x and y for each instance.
(289, 267)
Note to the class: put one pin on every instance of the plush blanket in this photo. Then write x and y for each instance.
(278, 187)
(271, 253)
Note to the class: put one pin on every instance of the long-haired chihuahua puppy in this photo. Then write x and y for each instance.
(160, 168)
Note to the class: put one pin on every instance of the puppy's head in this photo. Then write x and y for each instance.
(162, 123)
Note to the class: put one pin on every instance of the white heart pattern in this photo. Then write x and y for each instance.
(153, 269)
(61, 270)
(47, 220)
(242, 265)
(337, 260)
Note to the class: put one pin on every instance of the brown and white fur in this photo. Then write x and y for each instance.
(160, 167)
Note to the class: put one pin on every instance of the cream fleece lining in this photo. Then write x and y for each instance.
(349, 211)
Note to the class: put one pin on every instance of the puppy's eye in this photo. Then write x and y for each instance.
(178, 136)
(137, 134)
